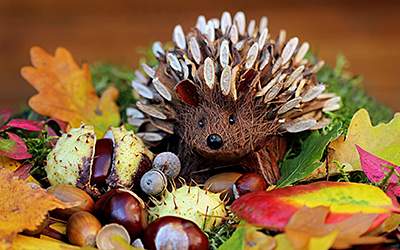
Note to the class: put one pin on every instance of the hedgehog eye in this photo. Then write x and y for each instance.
(231, 120)
(201, 123)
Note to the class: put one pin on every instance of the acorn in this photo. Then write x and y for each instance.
(125, 208)
(248, 183)
(168, 163)
(103, 238)
(82, 228)
(154, 182)
(223, 183)
(170, 232)
(68, 193)
(96, 165)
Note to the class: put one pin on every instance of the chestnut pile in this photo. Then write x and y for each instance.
(121, 212)
(104, 177)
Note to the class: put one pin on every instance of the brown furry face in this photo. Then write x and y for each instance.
(223, 131)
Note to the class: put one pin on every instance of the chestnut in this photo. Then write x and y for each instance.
(68, 193)
(248, 183)
(223, 183)
(103, 156)
(82, 228)
(171, 232)
(123, 207)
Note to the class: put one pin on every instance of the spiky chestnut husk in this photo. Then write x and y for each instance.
(71, 160)
(192, 203)
(226, 92)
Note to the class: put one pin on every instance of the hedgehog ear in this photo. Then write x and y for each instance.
(186, 91)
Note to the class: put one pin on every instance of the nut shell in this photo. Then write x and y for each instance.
(131, 159)
(223, 183)
(103, 238)
(71, 159)
(68, 193)
(170, 232)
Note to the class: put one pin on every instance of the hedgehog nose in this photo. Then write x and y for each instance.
(214, 141)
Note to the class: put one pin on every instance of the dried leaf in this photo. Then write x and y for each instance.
(273, 209)
(373, 168)
(383, 141)
(66, 91)
(22, 207)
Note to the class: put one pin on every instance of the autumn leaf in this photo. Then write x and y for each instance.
(307, 229)
(373, 168)
(247, 237)
(273, 209)
(15, 166)
(383, 141)
(66, 91)
(22, 207)
(23, 242)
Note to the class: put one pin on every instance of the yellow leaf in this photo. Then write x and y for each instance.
(282, 242)
(66, 91)
(22, 207)
(256, 240)
(382, 141)
(22, 242)
(11, 164)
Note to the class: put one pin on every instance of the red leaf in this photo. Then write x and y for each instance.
(4, 115)
(372, 166)
(24, 124)
(22, 172)
(14, 147)
(392, 190)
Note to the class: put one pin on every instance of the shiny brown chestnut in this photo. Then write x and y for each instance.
(248, 183)
(170, 232)
(68, 193)
(103, 156)
(223, 183)
(82, 228)
(124, 207)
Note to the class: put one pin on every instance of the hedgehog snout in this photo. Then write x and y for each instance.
(214, 141)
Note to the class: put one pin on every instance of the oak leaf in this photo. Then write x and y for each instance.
(66, 91)
(22, 207)
(15, 166)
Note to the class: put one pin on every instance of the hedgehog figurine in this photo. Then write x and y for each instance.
(229, 95)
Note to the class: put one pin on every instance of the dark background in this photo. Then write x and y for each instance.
(366, 32)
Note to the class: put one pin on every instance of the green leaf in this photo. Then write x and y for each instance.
(236, 242)
(309, 159)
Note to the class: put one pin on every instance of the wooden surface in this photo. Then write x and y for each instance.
(366, 32)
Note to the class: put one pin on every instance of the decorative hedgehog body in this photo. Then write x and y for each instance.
(228, 94)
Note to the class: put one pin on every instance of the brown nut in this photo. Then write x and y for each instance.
(248, 183)
(103, 156)
(123, 207)
(82, 228)
(68, 193)
(170, 232)
(223, 182)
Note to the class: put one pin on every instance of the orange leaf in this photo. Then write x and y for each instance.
(66, 91)
(22, 207)
(308, 225)
(11, 164)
